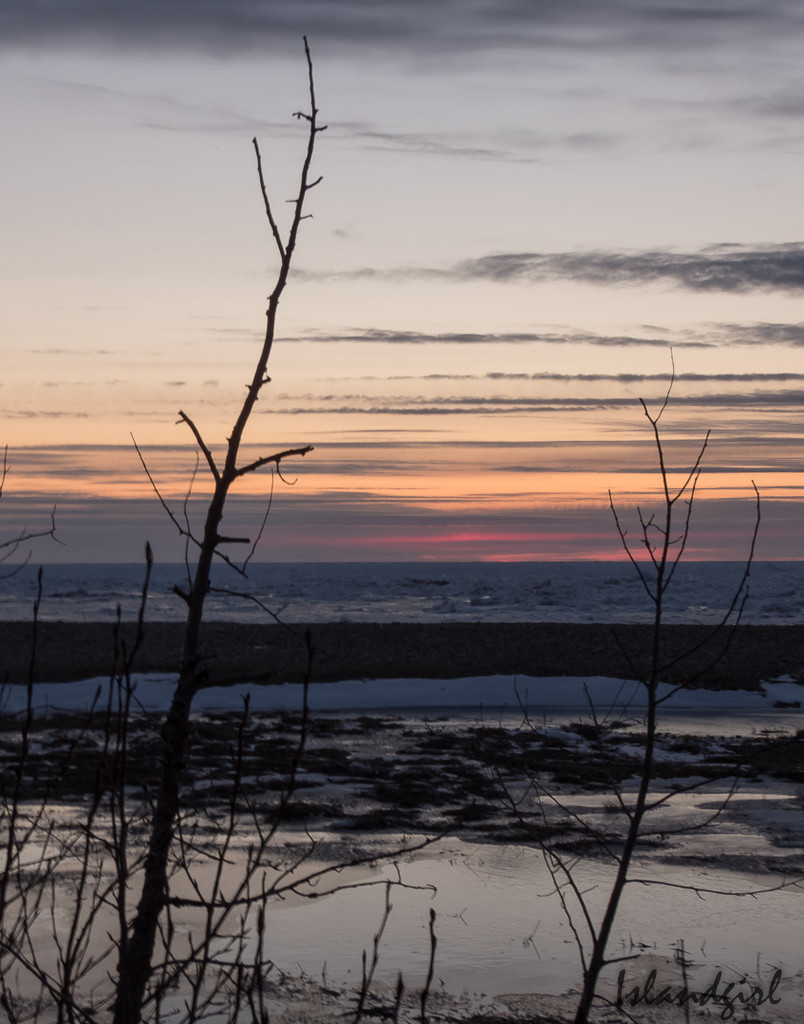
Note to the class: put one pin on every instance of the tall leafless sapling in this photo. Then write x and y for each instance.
(137, 949)
(663, 537)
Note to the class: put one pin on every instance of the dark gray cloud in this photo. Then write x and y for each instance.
(706, 336)
(419, 27)
(512, 405)
(716, 268)
(642, 378)
(373, 335)
(760, 334)
(724, 267)
(596, 378)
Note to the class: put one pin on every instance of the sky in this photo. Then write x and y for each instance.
(529, 214)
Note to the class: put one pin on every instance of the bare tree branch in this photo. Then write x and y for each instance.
(276, 459)
(10, 546)
(200, 442)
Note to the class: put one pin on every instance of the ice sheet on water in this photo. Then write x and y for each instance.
(416, 592)
(564, 693)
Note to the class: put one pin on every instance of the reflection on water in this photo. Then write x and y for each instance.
(500, 929)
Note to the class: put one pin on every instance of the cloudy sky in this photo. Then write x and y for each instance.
(525, 207)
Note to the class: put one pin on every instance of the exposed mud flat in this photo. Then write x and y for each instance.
(371, 785)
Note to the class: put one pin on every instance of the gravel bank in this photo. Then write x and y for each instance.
(275, 654)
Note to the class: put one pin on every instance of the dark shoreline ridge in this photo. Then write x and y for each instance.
(275, 654)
